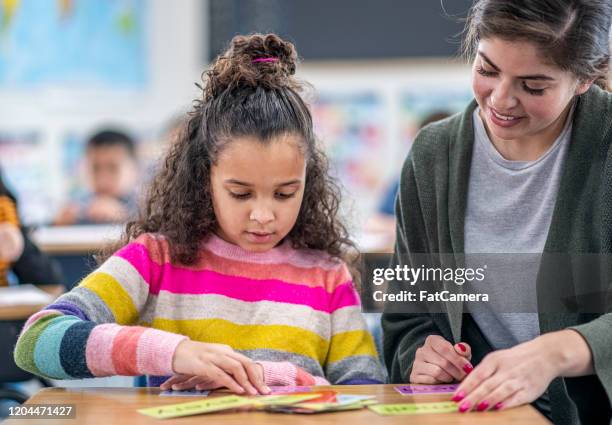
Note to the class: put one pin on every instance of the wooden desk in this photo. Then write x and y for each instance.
(22, 312)
(118, 406)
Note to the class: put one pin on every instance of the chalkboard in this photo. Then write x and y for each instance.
(345, 29)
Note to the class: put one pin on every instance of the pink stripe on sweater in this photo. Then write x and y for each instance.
(158, 246)
(124, 350)
(182, 281)
(99, 349)
(156, 351)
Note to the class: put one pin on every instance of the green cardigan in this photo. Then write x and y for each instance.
(430, 211)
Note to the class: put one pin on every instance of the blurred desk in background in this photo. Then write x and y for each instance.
(82, 239)
(12, 309)
(73, 247)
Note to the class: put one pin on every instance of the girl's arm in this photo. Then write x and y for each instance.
(91, 331)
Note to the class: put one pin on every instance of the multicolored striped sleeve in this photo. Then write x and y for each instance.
(91, 331)
(352, 356)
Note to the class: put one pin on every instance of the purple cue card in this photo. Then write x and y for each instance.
(426, 389)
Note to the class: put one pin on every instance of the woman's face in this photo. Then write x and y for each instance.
(522, 97)
(257, 190)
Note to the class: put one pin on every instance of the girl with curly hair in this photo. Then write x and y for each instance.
(234, 274)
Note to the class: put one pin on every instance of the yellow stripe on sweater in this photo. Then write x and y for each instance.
(249, 337)
(114, 296)
(351, 343)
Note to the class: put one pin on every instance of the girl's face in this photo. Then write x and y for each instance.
(257, 190)
(522, 97)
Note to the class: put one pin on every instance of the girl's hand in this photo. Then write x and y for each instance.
(438, 362)
(210, 366)
(519, 375)
(200, 383)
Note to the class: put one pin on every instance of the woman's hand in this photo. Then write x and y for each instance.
(439, 362)
(11, 242)
(208, 366)
(519, 375)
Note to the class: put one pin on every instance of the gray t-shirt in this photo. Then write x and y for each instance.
(509, 210)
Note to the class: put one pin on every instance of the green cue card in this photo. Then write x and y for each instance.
(414, 408)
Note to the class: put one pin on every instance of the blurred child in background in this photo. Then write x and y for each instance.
(112, 171)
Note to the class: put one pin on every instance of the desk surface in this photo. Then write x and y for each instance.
(22, 312)
(80, 239)
(118, 406)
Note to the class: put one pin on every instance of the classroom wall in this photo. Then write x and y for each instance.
(175, 41)
(350, 99)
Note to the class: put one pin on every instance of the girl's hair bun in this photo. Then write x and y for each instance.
(256, 60)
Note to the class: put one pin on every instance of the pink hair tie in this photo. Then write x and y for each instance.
(257, 60)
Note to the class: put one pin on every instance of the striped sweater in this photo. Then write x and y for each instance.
(284, 307)
(8, 214)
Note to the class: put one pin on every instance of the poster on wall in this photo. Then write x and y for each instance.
(27, 172)
(73, 42)
(351, 126)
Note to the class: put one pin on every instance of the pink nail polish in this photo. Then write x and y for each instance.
(462, 347)
(467, 368)
(498, 406)
(459, 396)
(484, 405)
(464, 407)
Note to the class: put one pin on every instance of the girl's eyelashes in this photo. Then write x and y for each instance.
(281, 195)
(278, 195)
(240, 195)
(485, 73)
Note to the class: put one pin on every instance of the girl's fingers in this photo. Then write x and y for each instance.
(255, 372)
(251, 368)
(167, 384)
(188, 384)
(236, 369)
(222, 379)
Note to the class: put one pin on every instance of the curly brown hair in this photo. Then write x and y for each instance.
(249, 90)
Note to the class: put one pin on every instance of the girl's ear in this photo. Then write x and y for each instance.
(583, 86)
